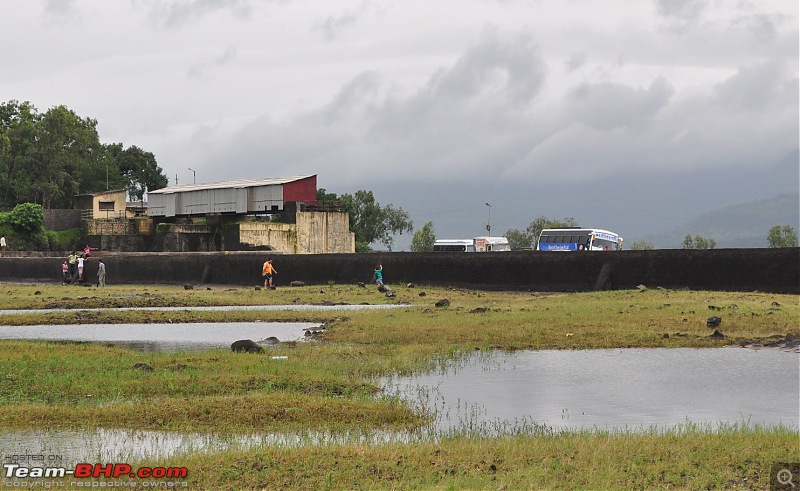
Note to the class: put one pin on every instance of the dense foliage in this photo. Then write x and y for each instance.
(698, 242)
(49, 158)
(782, 236)
(423, 239)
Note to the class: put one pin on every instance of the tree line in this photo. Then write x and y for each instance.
(49, 158)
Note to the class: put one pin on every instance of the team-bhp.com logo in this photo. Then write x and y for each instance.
(86, 471)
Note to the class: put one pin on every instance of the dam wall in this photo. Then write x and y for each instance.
(768, 270)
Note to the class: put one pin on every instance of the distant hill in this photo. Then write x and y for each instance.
(740, 225)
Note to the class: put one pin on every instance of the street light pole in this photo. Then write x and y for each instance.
(194, 175)
(489, 223)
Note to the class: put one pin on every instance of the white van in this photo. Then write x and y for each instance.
(491, 244)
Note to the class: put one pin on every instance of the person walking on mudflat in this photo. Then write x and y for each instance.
(267, 270)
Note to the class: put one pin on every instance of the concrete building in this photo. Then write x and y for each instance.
(105, 204)
(245, 196)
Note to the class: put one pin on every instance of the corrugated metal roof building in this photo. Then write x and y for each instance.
(239, 197)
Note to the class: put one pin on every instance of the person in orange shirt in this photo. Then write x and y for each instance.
(267, 270)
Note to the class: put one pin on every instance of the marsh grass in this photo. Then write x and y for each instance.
(685, 457)
(327, 385)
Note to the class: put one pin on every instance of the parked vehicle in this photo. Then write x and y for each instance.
(454, 245)
(478, 244)
(578, 239)
(491, 244)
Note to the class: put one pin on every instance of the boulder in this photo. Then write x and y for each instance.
(297, 283)
(717, 335)
(246, 346)
(713, 322)
(443, 303)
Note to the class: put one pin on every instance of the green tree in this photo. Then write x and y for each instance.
(66, 158)
(698, 242)
(535, 228)
(782, 236)
(641, 245)
(50, 158)
(423, 239)
(369, 221)
(18, 126)
(519, 239)
(137, 169)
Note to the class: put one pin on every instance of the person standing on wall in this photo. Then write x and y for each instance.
(101, 273)
(3, 246)
(73, 265)
(267, 270)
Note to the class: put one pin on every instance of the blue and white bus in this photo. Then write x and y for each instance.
(578, 239)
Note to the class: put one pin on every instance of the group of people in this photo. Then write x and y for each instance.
(72, 269)
(268, 270)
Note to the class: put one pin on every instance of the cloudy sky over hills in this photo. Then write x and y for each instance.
(546, 107)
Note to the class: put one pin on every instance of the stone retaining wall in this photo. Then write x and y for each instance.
(771, 270)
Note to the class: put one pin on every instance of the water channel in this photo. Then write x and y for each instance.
(500, 392)
(192, 336)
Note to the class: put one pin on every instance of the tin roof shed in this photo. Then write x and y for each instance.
(240, 197)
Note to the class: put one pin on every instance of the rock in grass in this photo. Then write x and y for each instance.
(246, 346)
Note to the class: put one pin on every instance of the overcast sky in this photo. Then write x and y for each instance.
(394, 96)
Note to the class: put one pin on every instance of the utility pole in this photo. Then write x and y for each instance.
(194, 175)
(489, 223)
(176, 179)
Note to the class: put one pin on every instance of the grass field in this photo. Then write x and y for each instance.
(328, 385)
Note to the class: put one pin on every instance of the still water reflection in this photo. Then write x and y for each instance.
(616, 388)
(499, 392)
(163, 337)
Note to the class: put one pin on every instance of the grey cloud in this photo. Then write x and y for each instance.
(180, 12)
(575, 61)
(608, 105)
(60, 8)
(480, 119)
(681, 13)
(203, 69)
(510, 66)
(761, 26)
(333, 25)
(358, 94)
(758, 87)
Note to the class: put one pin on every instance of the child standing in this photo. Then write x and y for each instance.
(379, 275)
(64, 272)
(267, 270)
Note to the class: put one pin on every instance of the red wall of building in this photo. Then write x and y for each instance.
(304, 190)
